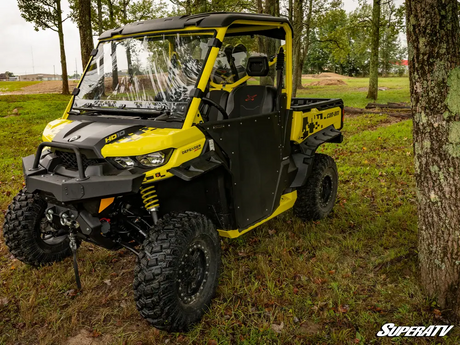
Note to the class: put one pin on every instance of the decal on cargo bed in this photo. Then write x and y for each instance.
(316, 122)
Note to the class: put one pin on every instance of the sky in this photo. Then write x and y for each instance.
(24, 50)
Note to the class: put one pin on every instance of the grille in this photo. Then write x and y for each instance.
(69, 160)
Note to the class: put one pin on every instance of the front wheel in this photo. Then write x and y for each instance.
(29, 236)
(316, 198)
(177, 271)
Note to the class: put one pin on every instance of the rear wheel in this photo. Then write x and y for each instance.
(28, 234)
(316, 198)
(177, 271)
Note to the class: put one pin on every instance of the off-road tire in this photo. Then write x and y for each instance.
(316, 198)
(161, 277)
(21, 231)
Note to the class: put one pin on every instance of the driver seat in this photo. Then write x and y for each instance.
(246, 100)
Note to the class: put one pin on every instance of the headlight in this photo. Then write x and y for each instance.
(124, 162)
(150, 160)
(154, 159)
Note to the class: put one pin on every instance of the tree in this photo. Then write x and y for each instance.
(85, 29)
(200, 6)
(100, 27)
(391, 50)
(47, 14)
(297, 24)
(434, 59)
(374, 67)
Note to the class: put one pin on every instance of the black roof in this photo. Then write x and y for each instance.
(202, 20)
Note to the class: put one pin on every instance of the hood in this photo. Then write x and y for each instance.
(118, 140)
(92, 135)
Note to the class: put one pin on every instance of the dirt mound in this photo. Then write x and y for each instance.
(325, 75)
(328, 82)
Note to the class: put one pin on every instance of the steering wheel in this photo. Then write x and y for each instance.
(215, 105)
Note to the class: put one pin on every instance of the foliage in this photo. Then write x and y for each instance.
(121, 12)
(391, 48)
(340, 42)
(43, 14)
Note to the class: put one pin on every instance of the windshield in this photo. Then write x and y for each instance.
(151, 73)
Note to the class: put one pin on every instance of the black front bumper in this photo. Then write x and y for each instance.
(41, 177)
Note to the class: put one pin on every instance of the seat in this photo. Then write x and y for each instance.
(220, 97)
(246, 100)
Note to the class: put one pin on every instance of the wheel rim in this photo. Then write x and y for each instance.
(325, 191)
(193, 273)
(50, 235)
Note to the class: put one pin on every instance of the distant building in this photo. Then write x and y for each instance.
(400, 67)
(3, 77)
(39, 77)
(13, 78)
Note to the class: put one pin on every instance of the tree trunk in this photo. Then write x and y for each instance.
(111, 14)
(99, 17)
(65, 81)
(433, 41)
(374, 67)
(114, 48)
(86, 32)
(306, 44)
(260, 40)
(297, 46)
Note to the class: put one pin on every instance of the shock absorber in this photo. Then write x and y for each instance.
(150, 200)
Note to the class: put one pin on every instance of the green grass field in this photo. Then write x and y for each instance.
(10, 86)
(354, 94)
(336, 281)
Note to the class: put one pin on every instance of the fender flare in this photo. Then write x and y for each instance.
(303, 160)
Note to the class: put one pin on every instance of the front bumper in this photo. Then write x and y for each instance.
(41, 177)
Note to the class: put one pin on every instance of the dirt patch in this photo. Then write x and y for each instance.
(54, 86)
(309, 328)
(328, 82)
(90, 338)
(325, 75)
(382, 88)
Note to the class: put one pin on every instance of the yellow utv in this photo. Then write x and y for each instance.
(181, 130)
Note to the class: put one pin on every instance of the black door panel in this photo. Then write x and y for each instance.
(253, 145)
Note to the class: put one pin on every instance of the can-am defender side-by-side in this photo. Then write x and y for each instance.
(181, 129)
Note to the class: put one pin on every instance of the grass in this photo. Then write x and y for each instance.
(336, 281)
(354, 94)
(10, 86)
